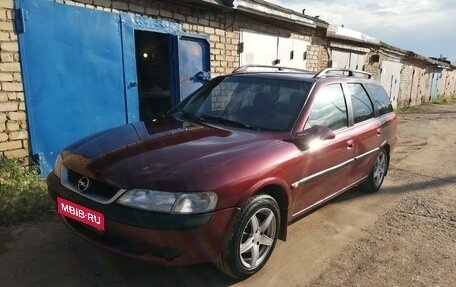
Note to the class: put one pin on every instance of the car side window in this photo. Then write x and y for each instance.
(362, 105)
(329, 108)
(381, 99)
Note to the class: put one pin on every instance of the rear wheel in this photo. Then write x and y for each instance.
(252, 239)
(377, 175)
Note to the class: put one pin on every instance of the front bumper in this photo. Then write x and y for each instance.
(159, 238)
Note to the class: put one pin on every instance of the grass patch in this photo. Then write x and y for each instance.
(22, 195)
(442, 101)
(409, 110)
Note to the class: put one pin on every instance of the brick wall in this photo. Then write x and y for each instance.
(405, 86)
(222, 28)
(219, 26)
(424, 79)
(317, 54)
(13, 123)
(371, 66)
(223, 40)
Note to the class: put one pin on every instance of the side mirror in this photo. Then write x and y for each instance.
(310, 138)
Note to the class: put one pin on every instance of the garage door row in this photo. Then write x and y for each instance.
(86, 70)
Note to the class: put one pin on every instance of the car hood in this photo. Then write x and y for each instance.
(169, 154)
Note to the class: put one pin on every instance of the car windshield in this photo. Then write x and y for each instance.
(248, 102)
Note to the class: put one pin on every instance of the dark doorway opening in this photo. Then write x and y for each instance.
(152, 66)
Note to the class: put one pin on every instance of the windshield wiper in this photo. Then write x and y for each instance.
(226, 121)
(186, 115)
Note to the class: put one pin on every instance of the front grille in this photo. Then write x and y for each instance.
(97, 188)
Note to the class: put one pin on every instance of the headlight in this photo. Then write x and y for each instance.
(169, 202)
(58, 166)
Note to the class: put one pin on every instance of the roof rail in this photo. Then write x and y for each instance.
(246, 68)
(350, 73)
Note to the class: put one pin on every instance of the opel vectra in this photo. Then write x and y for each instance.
(218, 178)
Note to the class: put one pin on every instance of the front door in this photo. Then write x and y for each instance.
(326, 165)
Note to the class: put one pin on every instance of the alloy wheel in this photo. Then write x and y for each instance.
(257, 238)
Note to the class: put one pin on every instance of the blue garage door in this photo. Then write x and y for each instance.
(73, 76)
(193, 63)
(79, 72)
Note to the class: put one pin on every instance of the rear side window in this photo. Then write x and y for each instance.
(329, 108)
(381, 99)
(362, 105)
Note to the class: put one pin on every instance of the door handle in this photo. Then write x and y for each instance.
(203, 76)
(349, 144)
(131, 85)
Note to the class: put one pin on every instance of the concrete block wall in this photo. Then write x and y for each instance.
(13, 121)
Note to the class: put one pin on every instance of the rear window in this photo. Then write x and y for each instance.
(362, 105)
(381, 99)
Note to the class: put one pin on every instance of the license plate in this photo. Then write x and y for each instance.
(80, 213)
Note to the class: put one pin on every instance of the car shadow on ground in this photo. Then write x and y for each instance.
(427, 182)
(108, 269)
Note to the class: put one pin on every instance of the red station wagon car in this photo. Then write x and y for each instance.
(219, 178)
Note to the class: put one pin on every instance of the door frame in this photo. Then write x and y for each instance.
(130, 23)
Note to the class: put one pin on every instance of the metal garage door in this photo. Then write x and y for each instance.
(79, 71)
(436, 83)
(263, 49)
(347, 60)
(391, 79)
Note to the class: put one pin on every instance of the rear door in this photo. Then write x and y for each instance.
(367, 130)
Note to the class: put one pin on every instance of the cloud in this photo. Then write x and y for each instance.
(426, 27)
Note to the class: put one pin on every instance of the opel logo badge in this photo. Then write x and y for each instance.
(83, 184)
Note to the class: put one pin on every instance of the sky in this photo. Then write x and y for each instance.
(426, 27)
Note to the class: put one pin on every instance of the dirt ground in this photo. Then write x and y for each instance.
(404, 235)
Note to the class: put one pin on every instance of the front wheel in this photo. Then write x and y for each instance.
(252, 239)
(377, 175)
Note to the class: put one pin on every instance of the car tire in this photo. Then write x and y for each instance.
(252, 238)
(377, 175)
